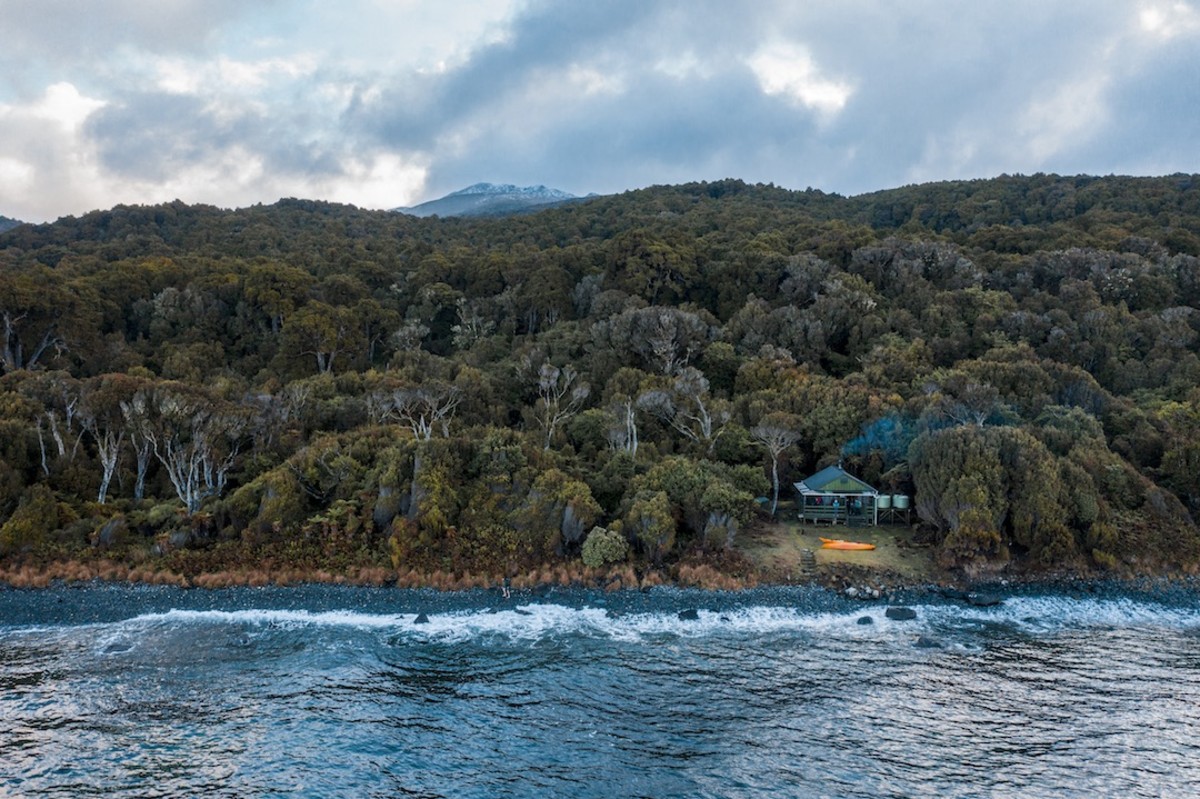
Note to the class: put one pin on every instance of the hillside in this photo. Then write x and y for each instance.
(309, 385)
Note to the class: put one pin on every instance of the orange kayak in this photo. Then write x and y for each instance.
(837, 543)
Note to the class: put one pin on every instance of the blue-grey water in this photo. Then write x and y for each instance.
(330, 692)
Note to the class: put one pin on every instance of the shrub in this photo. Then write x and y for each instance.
(29, 526)
(603, 547)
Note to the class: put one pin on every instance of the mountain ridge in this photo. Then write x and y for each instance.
(490, 199)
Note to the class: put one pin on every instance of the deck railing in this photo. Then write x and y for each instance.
(816, 514)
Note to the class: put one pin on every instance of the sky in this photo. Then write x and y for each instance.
(387, 103)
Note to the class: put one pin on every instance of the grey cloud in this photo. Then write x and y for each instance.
(149, 136)
(1153, 132)
(925, 79)
(940, 90)
(81, 30)
(415, 109)
(730, 129)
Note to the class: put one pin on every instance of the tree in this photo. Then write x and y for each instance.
(560, 397)
(652, 268)
(688, 408)
(973, 540)
(1181, 460)
(559, 510)
(423, 408)
(138, 415)
(277, 290)
(991, 490)
(36, 310)
(776, 433)
(959, 400)
(711, 498)
(650, 523)
(666, 339)
(322, 331)
(623, 433)
(375, 325)
(196, 437)
(623, 389)
(102, 416)
(55, 395)
(473, 323)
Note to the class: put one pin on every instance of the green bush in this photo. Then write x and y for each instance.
(31, 523)
(603, 547)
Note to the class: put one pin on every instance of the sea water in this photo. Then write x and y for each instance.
(329, 692)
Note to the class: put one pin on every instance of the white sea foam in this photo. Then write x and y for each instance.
(1033, 615)
(1049, 613)
(274, 618)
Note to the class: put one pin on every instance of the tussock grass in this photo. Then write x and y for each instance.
(228, 573)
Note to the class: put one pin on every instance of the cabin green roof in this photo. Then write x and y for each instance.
(834, 480)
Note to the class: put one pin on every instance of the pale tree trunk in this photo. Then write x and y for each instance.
(108, 446)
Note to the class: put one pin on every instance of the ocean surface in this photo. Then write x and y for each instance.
(328, 692)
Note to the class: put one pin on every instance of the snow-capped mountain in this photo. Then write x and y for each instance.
(490, 199)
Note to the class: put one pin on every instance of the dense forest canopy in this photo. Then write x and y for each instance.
(613, 379)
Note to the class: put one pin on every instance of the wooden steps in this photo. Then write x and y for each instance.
(808, 563)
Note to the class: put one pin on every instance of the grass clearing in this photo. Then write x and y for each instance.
(776, 547)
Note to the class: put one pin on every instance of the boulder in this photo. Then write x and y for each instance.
(691, 614)
(864, 620)
(924, 642)
(387, 506)
(900, 614)
(178, 539)
(111, 533)
(421, 619)
(984, 600)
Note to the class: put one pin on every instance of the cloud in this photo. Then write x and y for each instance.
(389, 102)
(789, 70)
(224, 102)
(1169, 20)
(43, 149)
(42, 37)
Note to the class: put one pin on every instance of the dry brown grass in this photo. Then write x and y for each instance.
(652, 579)
(710, 579)
(615, 578)
(374, 575)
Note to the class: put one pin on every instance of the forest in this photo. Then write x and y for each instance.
(619, 381)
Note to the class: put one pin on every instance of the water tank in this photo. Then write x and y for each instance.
(901, 501)
(883, 501)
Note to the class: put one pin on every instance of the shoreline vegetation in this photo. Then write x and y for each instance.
(771, 558)
(617, 392)
(852, 581)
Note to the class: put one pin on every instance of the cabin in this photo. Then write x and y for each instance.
(835, 496)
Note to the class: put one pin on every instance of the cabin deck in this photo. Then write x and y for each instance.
(828, 514)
